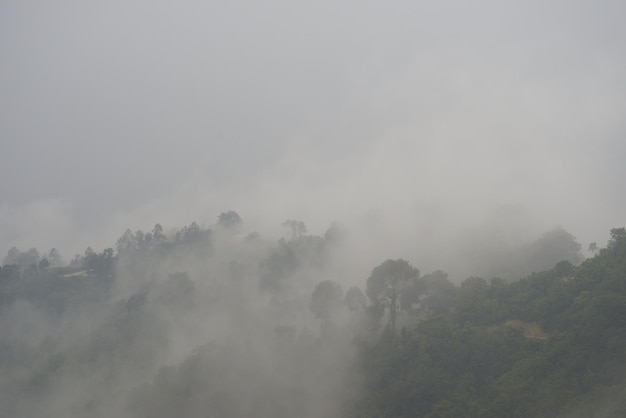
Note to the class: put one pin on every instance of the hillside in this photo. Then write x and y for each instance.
(219, 321)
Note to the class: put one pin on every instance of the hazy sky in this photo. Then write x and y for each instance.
(117, 114)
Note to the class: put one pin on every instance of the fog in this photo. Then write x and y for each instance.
(437, 133)
(199, 323)
(125, 114)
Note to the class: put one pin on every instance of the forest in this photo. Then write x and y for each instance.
(220, 321)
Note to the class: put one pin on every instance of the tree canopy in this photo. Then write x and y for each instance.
(218, 320)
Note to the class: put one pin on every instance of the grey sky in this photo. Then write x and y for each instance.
(118, 114)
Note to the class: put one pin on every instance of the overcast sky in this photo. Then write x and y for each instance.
(117, 114)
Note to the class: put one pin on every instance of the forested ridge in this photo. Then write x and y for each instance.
(552, 344)
(219, 321)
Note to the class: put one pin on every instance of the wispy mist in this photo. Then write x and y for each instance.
(138, 113)
(458, 137)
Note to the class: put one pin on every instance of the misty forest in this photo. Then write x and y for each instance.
(219, 321)
(312, 209)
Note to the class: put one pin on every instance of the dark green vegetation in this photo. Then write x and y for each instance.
(550, 345)
(220, 322)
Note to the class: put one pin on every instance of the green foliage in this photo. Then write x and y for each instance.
(24, 259)
(548, 345)
(301, 252)
(326, 299)
(432, 294)
(230, 219)
(387, 282)
(355, 300)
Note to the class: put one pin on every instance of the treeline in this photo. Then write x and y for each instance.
(550, 345)
(220, 321)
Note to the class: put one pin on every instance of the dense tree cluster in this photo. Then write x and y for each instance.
(549, 345)
(218, 321)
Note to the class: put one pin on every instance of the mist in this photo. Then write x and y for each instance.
(127, 114)
(458, 137)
